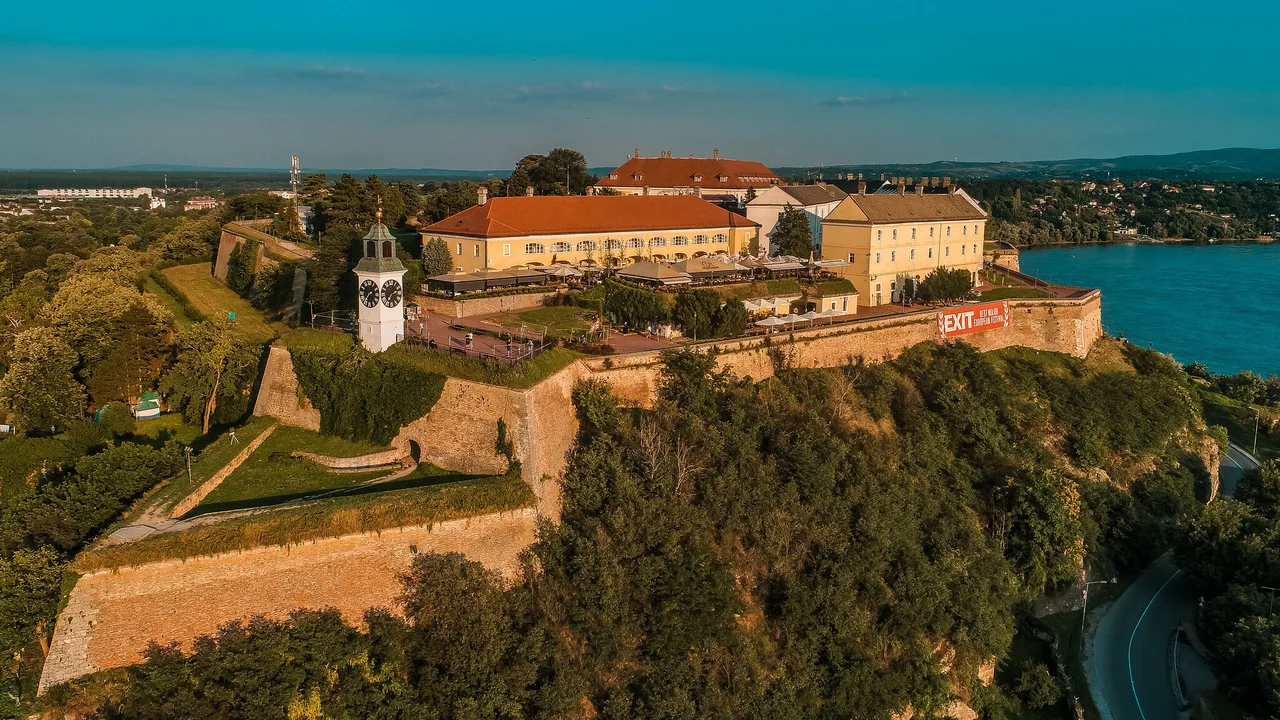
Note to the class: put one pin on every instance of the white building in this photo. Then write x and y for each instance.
(816, 200)
(94, 193)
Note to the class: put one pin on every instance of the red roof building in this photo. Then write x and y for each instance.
(714, 178)
(588, 230)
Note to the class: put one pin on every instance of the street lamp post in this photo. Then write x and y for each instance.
(1257, 417)
(1271, 604)
(1084, 607)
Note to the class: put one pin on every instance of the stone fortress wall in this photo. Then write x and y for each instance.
(111, 615)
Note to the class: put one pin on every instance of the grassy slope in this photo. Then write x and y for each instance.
(320, 519)
(215, 299)
(169, 426)
(1238, 419)
(169, 301)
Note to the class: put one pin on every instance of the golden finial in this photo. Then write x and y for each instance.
(379, 208)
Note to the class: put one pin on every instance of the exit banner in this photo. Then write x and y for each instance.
(954, 322)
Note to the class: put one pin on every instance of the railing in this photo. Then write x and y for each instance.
(452, 346)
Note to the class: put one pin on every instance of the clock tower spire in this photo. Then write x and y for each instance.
(380, 282)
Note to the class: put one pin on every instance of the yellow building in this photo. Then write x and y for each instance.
(538, 231)
(888, 237)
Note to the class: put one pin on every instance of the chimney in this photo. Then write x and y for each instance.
(637, 153)
(909, 181)
(482, 195)
(862, 187)
(859, 176)
(920, 189)
(715, 153)
(902, 187)
(645, 190)
(952, 190)
(935, 181)
(946, 182)
(528, 191)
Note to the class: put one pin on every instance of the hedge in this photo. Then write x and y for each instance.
(191, 311)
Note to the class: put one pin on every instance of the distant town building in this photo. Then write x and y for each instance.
(888, 237)
(531, 231)
(714, 178)
(94, 193)
(816, 200)
(286, 194)
(200, 202)
(157, 203)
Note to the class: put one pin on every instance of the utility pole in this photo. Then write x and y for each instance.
(188, 451)
(1257, 417)
(1271, 604)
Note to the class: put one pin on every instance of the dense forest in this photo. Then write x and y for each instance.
(827, 543)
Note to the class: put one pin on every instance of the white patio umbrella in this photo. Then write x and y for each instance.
(771, 321)
(810, 316)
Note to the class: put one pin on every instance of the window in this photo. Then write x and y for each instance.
(947, 252)
(697, 177)
(506, 249)
(612, 244)
(913, 233)
(534, 249)
(635, 243)
(930, 252)
(559, 247)
(477, 250)
(387, 250)
(699, 239)
(877, 258)
(844, 304)
(895, 234)
(679, 241)
(371, 249)
(948, 231)
(657, 242)
(879, 235)
(587, 246)
(852, 258)
(964, 229)
(913, 253)
(975, 248)
(930, 232)
(975, 228)
(893, 256)
(720, 238)
(459, 248)
(893, 286)
(962, 249)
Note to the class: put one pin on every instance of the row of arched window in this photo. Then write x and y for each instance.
(534, 248)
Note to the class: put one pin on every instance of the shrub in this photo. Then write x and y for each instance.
(633, 306)
(946, 285)
(1037, 686)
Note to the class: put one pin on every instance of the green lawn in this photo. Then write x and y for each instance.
(169, 301)
(214, 299)
(1005, 293)
(1238, 419)
(766, 288)
(169, 426)
(211, 458)
(272, 475)
(562, 321)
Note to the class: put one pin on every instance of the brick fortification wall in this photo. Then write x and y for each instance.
(279, 395)
(111, 616)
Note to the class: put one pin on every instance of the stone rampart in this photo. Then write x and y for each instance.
(470, 307)
(280, 396)
(190, 502)
(112, 615)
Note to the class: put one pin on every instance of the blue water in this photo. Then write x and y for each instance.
(1214, 304)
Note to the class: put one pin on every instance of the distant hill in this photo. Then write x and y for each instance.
(1224, 164)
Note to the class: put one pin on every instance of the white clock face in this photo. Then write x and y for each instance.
(369, 293)
(391, 293)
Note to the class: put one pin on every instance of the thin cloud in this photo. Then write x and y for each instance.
(594, 92)
(353, 79)
(867, 100)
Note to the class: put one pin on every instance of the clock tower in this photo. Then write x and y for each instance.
(380, 285)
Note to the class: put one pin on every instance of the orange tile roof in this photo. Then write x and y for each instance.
(895, 208)
(683, 172)
(571, 214)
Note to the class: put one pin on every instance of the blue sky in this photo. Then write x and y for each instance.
(478, 85)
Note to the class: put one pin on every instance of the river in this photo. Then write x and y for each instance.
(1214, 304)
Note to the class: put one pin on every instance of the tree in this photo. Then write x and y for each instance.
(140, 347)
(946, 285)
(1259, 488)
(695, 312)
(39, 388)
(436, 258)
(559, 172)
(1037, 686)
(792, 235)
(348, 203)
(731, 319)
(192, 238)
(214, 362)
(89, 312)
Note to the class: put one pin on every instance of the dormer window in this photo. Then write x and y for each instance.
(722, 177)
(613, 176)
(697, 177)
(637, 176)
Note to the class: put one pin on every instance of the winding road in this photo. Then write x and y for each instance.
(1130, 673)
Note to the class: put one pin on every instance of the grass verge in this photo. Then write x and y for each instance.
(1005, 293)
(211, 298)
(331, 517)
(166, 298)
(169, 426)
